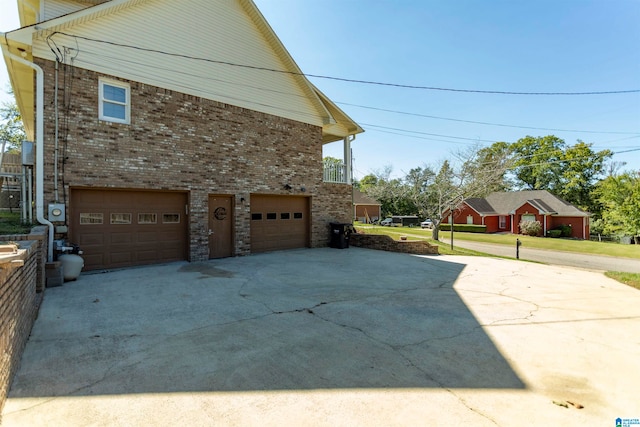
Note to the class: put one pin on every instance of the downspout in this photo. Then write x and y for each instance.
(39, 143)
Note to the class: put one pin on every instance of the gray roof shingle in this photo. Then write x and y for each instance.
(504, 203)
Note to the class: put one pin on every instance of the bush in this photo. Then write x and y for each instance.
(465, 228)
(554, 233)
(565, 230)
(530, 228)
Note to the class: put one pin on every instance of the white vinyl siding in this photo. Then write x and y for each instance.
(201, 38)
(55, 8)
(114, 101)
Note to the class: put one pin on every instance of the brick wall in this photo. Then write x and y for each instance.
(39, 234)
(185, 143)
(19, 303)
(386, 243)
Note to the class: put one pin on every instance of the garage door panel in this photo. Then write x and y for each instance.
(135, 227)
(93, 259)
(120, 258)
(148, 255)
(120, 238)
(148, 236)
(169, 253)
(88, 239)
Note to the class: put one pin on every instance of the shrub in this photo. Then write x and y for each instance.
(566, 230)
(530, 228)
(554, 233)
(467, 228)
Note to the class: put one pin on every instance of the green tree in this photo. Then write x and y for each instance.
(537, 162)
(496, 157)
(392, 193)
(620, 197)
(11, 128)
(581, 168)
(433, 193)
(569, 172)
(366, 182)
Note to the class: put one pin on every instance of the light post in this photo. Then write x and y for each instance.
(451, 223)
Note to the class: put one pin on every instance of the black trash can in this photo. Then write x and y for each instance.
(340, 235)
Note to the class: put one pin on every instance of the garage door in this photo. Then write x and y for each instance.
(125, 228)
(279, 222)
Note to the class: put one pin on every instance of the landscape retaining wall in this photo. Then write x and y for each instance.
(386, 243)
(22, 281)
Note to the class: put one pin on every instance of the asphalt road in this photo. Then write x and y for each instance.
(591, 262)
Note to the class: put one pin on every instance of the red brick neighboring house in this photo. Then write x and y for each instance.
(365, 207)
(173, 130)
(503, 212)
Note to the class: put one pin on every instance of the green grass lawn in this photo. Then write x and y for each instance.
(631, 279)
(565, 245)
(10, 223)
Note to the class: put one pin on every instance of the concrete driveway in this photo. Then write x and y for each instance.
(333, 337)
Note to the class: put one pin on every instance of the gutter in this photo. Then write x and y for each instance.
(39, 141)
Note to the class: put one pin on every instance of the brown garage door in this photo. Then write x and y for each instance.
(125, 228)
(279, 222)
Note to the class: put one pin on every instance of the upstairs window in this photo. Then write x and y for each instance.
(114, 101)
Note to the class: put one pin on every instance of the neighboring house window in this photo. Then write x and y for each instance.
(502, 221)
(528, 217)
(469, 219)
(114, 104)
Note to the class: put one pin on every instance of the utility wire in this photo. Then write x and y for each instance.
(368, 82)
(252, 102)
(426, 133)
(264, 89)
(483, 123)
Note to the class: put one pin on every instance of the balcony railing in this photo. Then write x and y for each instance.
(335, 172)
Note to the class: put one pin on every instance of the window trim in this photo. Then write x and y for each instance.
(101, 101)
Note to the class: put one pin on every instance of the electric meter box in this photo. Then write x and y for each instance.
(56, 212)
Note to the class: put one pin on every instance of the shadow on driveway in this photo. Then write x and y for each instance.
(295, 320)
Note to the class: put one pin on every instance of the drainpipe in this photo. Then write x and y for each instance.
(39, 142)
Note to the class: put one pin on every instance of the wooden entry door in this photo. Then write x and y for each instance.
(220, 226)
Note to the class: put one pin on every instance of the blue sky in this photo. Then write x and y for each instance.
(517, 46)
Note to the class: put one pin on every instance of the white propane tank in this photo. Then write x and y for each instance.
(71, 266)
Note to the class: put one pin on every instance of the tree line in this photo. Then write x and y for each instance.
(576, 173)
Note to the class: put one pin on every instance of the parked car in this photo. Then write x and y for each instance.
(426, 224)
(387, 222)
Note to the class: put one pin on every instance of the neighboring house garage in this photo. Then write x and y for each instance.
(279, 222)
(124, 228)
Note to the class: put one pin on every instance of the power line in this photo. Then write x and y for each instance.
(264, 89)
(483, 123)
(429, 134)
(342, 79)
